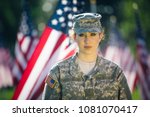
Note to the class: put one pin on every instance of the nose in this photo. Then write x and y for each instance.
(86, 39)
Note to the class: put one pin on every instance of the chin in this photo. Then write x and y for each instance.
(88, 52)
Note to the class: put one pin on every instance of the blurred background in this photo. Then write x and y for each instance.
(126, 26)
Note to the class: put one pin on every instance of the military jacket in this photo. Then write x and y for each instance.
(106, 81)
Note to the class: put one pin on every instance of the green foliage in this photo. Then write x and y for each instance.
(127, 23)
(6, 93)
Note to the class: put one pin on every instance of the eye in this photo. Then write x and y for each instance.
(93, 34)
(81, 35)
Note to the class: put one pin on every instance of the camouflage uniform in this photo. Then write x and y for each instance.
(105, 82)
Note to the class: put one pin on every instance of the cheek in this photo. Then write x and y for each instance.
(97, 41)
(96, 44)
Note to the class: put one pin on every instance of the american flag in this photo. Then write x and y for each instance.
(6, 79)
(118, 52)
(25, 45)
(142, 57)
(54, 45)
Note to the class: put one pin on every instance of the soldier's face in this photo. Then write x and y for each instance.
(88, 42)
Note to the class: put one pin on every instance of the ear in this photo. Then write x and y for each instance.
(101, 35)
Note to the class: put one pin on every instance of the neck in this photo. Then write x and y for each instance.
(87, 57)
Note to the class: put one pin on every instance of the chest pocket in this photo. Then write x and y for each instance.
(106, 89)
(73, 90)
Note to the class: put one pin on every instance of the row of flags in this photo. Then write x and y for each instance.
(143, 71)
(53, 46)
(35, 57)
(6, 79)
(27, 39)
(119, 52)
(136, 69)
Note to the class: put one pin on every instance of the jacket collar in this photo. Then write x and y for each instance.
(74, 68)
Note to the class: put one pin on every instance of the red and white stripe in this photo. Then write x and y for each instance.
(52, 48)
(23, 50)
(129, 67)
(112, 53)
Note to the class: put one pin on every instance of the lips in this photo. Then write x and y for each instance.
(87, 46)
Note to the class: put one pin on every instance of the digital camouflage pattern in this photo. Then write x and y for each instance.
(87, 22)
(105, 82)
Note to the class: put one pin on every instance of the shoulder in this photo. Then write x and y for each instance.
(61, 65)
(65, 63)
(110, 68)
(108, 64)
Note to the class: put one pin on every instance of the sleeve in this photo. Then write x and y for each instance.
(52, 86)
(124, 91)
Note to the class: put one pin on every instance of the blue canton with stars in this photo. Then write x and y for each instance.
(61, 20)
(26, 26)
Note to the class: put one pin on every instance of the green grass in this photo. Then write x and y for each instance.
(136, 95)
(6, 93)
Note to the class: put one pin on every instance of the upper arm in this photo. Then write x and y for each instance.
(52, 86)
(51, 93)
(124, 90)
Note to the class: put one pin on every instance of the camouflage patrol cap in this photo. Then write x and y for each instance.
(87, 22)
